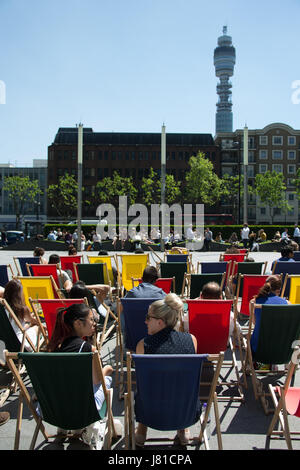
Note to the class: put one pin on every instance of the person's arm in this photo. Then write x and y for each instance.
(194, 342)
(140, 347)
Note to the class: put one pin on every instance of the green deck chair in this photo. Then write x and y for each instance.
(63, 386)
(197, 281)
(279, 328)
(91, 273)
(174, 269)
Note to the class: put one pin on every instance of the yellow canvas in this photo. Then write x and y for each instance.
(132, 267)
(37, 288)
(106, 260)
(294, 296)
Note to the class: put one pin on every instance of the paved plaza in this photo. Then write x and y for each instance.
(243, 425)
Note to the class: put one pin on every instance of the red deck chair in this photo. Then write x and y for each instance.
(232, 269)
(167, 284)
(66, 263)
(287, 402)
(243, 251)
(44, 270)
(48, 308)
(209, 322)
(251, 285)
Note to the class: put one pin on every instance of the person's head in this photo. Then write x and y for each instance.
(78, 291)
(211, 290)
(38, 251)
(76, 320)
(14, 295)
(164, 313)
(232, 250)
(249, 260)
(271, 286)
(287, 252)
(103, 253)
(54, 259)
(139, 251)
(72, 250)
(150, 275)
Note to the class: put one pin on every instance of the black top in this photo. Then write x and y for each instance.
(73, 344)
(169, 341)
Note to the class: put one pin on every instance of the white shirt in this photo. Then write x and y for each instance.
(245, 233)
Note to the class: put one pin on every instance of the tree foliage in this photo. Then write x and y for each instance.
(21, 190)
(270, 188)
(62, 196)
(109, 189)
(151, 189)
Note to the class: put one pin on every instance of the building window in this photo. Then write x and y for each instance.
(263, 140)
(291, 154)
(291, 197)
(291, 140)
(277, 139)
(127, 156)
(153, 156)
(251, 157)
(251, 171)
(113, 155)
(277, 167)
(132, 155)
(100, 155)
(290, 182)
(277, 154)
(263, 154)
(263, 211)
(119, 155)
(263, 168)
(106, 155)
(291, 169)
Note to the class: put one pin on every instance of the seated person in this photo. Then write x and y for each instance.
(211, 291)
(147, 289)
(63, 277)
(72, 250)
(40, 252)
(287, 254)
(13, 294)
(99, 292)
(72, 325)
(162, 320)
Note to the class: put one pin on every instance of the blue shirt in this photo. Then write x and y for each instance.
(272, 299)
(283, 258)
(146, 290)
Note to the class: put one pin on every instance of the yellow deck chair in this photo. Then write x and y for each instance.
(132, 267)
(294, 294)
(38, 287)
(107, 259)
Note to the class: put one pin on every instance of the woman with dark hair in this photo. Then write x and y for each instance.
(13, 294)
(269, 294)
(72, 325)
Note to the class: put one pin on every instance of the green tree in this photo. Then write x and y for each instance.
(270, 188)
(296, 182)
(109, 189)
(151, 189)
(233, 192)
(21, 190)
(202, 183)
(62, 196)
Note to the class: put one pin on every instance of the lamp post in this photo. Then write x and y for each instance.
(237, 146)
(163, 185)
(79, 180)
(245, 160)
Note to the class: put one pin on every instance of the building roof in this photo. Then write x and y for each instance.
(70, 136)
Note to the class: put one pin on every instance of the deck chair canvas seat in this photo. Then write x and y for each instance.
(284, 268)
(167, 394)
(238, 258)
(195, 282)
(106, 259)
(179, 258)
(21, 262)
(209, 322)
(286, 401)
(91, 273)
(248, 286)
(67, 264)
(39, 287)
(130, 266)
(44, 270)
(176, 270)
(256, 268)
(63, 386)
(294, 291)
(6, 273)
(215, 267)
(167, 284)
(279, 328)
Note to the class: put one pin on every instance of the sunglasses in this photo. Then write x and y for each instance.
(151, 316)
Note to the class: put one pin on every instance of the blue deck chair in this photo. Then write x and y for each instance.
(297, 255)
(21, 267)
(5, 272)
(212, 267)
(286, 267)
(167, 393)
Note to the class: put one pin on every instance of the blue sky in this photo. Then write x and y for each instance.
(130, 65)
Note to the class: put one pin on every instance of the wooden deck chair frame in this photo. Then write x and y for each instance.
(24, 396)
(18, 265)
(44, 268)
(230, 364)
(259, 392)
(188, 280)
(212, 400)
(50, 285)
(181, 289)
(8, 269)
(279, 400)
(119, 257)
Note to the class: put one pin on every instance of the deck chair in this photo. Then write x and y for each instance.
(297, 255)
(284, 268)
(6, 273)
(62, 383)
(206, 267)
(167, 391)
(107, 259)
(130, 266)
(21, 261)
(176, 270)
(195, 282)
(47, 309)
(179, 258)
(209, 322)
(44, 270)
(91, 273)
(12, 343)
(39, 287)
(279, 328)
(294, 291)
(239, 258)
(167, 284)
(67, 263)
(248, 286)
(134, 313)
(286, 401)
